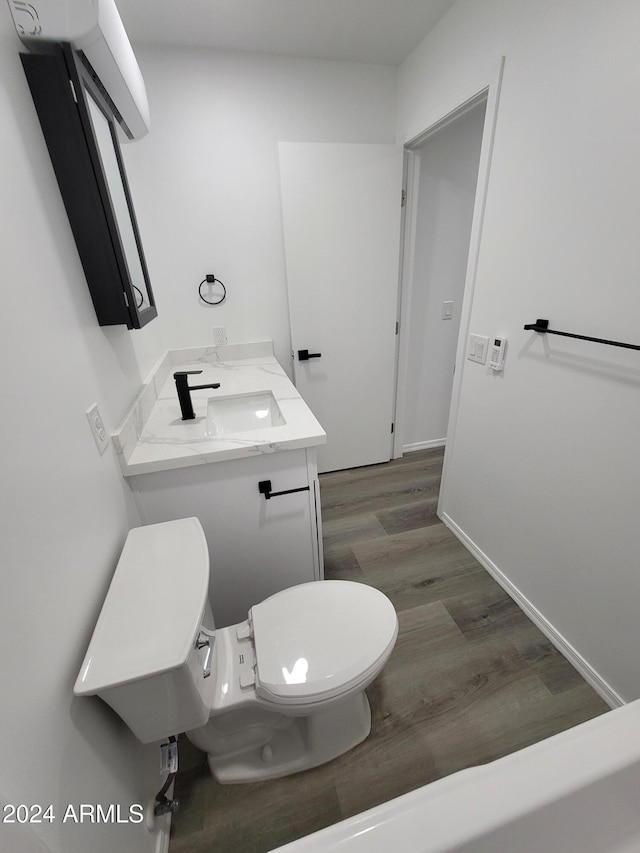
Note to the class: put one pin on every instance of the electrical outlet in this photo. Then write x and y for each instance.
(219, 336)
(98, 431)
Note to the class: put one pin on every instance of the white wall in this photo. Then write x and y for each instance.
(543, 471)
(206, 180)
(64, 509)
(447, 175)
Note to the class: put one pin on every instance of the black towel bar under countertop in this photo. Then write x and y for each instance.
(542, 326)
(264, 487)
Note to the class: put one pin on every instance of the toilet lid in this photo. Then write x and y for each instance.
(316, 640)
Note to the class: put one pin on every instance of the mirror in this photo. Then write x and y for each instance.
(78, 122)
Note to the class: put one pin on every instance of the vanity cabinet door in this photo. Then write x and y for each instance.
(256, 546)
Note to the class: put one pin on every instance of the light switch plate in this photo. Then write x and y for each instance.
(98, 431)
(447, 310)
(477, 348)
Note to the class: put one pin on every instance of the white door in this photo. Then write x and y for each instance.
(342, 212)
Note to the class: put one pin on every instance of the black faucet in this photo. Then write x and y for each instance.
(183, 389)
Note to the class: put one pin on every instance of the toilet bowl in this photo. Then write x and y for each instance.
(288, 691)
(278, 693)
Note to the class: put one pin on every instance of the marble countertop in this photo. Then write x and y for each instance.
(153, 436)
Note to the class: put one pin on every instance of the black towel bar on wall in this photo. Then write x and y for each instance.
(542, 326)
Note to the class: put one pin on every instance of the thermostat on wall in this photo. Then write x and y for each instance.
(498, 347)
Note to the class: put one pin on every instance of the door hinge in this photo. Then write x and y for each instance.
(73, 91)
(403, 198)
(393, 426)
(397, 327)
(126, 298)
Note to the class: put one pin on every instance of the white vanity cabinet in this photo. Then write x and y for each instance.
(257, 546)
(178, 468)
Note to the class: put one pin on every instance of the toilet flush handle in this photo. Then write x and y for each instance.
(206, 639)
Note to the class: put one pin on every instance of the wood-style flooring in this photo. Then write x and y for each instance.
(471, 678)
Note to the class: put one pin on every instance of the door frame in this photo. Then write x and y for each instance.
(487, 89)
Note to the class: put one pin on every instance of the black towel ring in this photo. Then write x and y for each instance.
(211, 279)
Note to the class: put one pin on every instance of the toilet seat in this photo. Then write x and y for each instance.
(318, 640)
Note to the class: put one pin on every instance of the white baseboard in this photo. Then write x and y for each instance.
(610, 696)
(423, 445)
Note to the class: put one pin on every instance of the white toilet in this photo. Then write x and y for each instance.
(276, 694)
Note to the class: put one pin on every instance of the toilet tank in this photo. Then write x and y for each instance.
(142, 659)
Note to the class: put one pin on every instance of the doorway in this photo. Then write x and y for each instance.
(338, 284)
(443, 167)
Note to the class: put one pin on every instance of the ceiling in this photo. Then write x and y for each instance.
(379, 31)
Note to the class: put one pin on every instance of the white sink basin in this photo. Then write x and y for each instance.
(242, 412)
